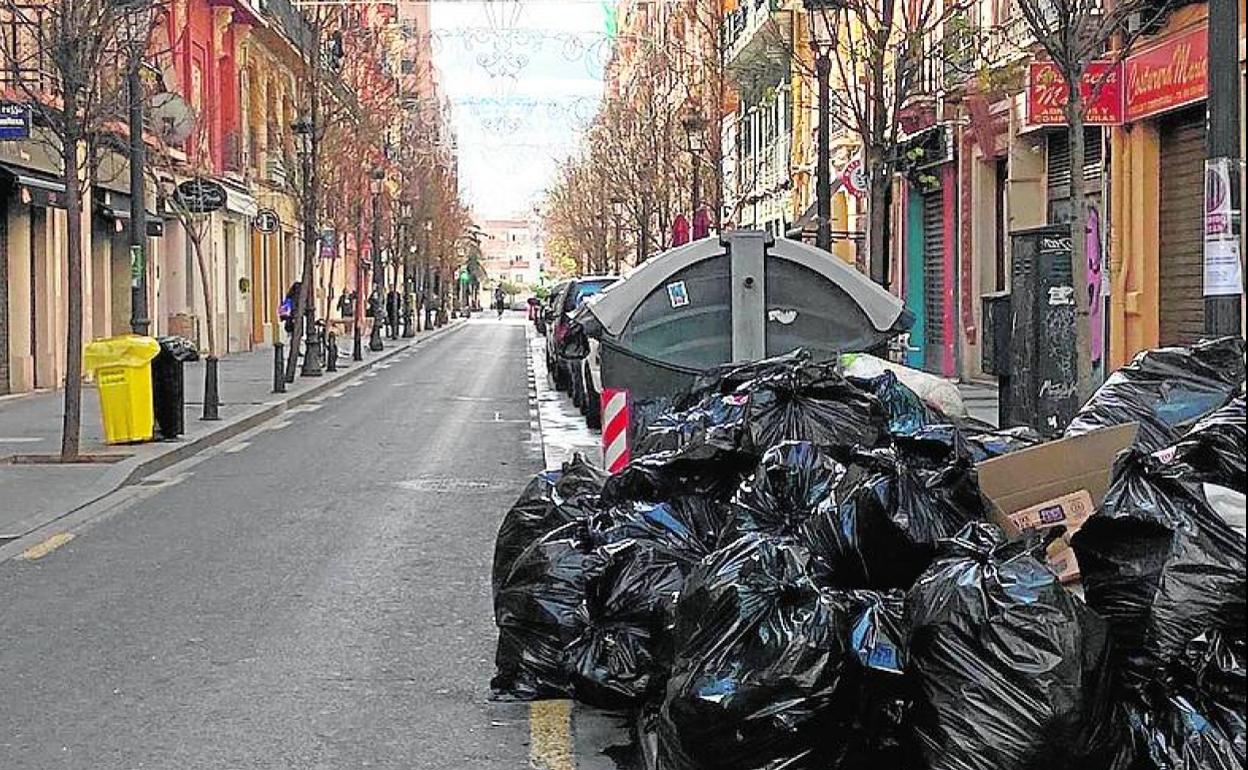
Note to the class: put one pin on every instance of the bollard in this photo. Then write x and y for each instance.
(212, 397)
(357, 345)
(279, 367)
(331, 355)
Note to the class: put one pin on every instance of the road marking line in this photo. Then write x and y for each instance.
(311, 407)
(47, 546)
(280, 425)
(240, 446)
(550, 735)
(19, 440)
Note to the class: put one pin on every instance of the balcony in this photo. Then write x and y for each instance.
(275, 172)
(758, 31)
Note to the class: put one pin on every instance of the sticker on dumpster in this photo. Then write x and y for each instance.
(1061, 295)
(677, 294)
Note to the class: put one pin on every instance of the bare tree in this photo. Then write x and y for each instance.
(1074, 33)
(884, 54)
(168, 160)
(67, 58)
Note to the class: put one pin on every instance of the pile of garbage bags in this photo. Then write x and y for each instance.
(798, 571)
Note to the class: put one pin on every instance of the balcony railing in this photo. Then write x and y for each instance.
(747, 22)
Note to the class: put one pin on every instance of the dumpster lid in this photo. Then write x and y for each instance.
(616, 305)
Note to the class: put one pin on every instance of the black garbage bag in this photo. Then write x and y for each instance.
(1215, 448)
(1191, 717)
(703, 472)
(1172, 732)
(764, 668)
(1011, 670)
(987, 444)
(553, 498)
(1166, 390)
(538, 611)
(882, 527)
(907, 412)
(727, 378)
(783, 492)
(712, 428)
(1161, 564)
(614, 661)
(178, 349)
(623, 651)
(810, 402)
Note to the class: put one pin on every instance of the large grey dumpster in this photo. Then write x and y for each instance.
(741, 297)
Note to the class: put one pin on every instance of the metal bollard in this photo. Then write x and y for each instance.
(357, 345)
(331, 355)
(279, 367)
(212, 395)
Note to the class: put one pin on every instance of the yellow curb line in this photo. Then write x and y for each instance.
(550, 735)
(47, 546)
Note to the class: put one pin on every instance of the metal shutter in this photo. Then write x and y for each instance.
(933, 281)
(4, 297)
(1180, 215)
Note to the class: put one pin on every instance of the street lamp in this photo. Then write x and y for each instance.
(375, 185)
(138, 24)
(617, 208)
(426, 227)
(822, 38)
(694, 125)
(305, 139)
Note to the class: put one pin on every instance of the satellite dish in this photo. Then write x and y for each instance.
(172, 117)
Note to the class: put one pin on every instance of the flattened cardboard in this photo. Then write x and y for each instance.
(1058, 483)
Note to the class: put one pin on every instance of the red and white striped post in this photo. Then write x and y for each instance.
(615, 419)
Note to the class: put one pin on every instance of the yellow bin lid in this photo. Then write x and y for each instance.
(129, 350)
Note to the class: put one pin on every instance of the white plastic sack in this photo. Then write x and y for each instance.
(935, 391)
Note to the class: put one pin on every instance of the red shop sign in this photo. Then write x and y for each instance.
(1047, 94)
(1168, 75)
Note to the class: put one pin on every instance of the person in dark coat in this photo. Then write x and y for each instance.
(394, 308)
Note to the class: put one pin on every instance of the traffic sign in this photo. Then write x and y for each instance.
(855, 177)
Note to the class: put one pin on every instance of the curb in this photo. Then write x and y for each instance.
(129, 472)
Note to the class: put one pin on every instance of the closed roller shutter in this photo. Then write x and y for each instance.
(1180, 216)
(933, 281)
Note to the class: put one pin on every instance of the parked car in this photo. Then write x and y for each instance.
(546, 307)
(567, 298)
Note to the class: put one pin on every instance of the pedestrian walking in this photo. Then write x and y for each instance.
(500, 300)
(394, 306)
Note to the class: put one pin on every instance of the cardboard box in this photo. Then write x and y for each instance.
(1055, 484)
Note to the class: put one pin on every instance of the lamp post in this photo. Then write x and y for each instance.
(305, 135)
(138, 22)
(822, 33)
(426, 227)
(694, 125)
(379, 269)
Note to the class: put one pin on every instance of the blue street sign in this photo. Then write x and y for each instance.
(14, 122)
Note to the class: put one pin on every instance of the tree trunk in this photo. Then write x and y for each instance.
(205, 282)
(71, 423)
(877, 256)
(1078, 239)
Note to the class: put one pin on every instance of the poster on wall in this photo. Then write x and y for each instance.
(1222, 264)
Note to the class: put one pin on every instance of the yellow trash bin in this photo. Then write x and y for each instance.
(123, 374)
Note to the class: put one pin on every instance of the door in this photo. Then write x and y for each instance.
(4, 295)
(1180, 248)
(933, 281)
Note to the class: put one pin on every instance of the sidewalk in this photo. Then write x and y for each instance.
(33, 495)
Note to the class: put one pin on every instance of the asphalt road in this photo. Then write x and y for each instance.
(314, 594)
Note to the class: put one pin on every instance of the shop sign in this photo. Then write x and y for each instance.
(855, 177)
(1169, 75)
(200, 195)
(1047, 94)
(14, 122)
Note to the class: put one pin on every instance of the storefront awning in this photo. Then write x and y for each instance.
(238, 200)
(35, 188)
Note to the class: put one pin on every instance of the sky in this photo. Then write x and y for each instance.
(524, 77)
